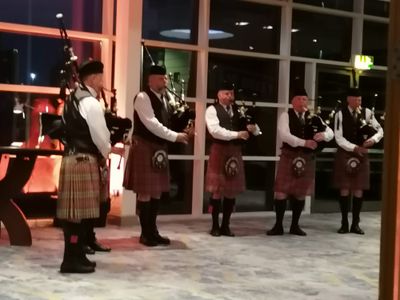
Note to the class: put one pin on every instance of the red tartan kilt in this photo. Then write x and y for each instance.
(79, 191)
(343, 180)
(140, 176)
(286, 182)
(216, 180)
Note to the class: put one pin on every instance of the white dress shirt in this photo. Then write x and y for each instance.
(294, 141)
(145, 112)
(347, 145)
(91, 110)
(217, 131)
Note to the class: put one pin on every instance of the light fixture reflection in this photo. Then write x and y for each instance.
(184, 34)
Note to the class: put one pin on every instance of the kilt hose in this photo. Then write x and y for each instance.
(140, 175)
(287, 182)
(342, 179)
(216, 179)
(79, 192)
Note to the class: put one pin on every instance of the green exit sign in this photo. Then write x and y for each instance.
(363, 62)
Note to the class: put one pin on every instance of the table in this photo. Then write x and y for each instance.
(18, 173)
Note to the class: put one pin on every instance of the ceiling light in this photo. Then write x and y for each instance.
(184, 34)
(315, 40)
(241, 23)
(295, 30)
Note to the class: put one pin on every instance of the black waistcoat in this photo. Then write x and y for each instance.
(227, 122)
(295, 127)
(78, 138)
(161, 114)
(350, 126)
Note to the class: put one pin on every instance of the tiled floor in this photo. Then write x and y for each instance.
(323, 265)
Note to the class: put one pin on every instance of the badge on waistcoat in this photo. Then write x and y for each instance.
(298, 166)
(160, 160)
(231, 166)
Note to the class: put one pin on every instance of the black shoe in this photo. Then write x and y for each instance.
(96, 246)
(226, 231)
(215, 231)
(276, 230)
(161, 240)
(356, 229)
(149, 242)
(343, 229)
(86, 262)
(297, 231)
(75, 267)
(88, 250)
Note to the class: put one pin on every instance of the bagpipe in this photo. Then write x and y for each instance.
(182, 116)
(53, 125)
(314, 124)
(365, 129)
(247, 113)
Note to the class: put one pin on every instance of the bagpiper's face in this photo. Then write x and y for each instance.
(354, 102)
(226, 97)
(158, 83)
(95, 81)
(300, 103)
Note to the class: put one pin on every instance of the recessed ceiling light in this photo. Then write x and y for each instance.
(184, 34)
(295, 30)
(241, 23)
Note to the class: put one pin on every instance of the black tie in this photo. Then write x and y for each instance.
(229, 110)
(354, 115)
(301, 118)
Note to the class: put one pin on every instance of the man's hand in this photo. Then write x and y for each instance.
(368, 143)
(244, 135)
(252, 128)
(182, 138)
(319, 137)
(360, 150)
(311, 144)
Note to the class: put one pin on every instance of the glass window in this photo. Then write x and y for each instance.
(261, 145)
(377, 7)
(179, 198)
(244, 25)
(335, 4)
(332, 85)
(373, 89)
(180, 65)
(331, 39)
(38, 60)
(259, 194)
(256, 79)
(171, 20)
(375, 39)
(78, 15)
(19, 117)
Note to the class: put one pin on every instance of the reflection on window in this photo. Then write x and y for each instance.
(19, 118)
(335, 4)
(244, 25)
(377, 7)
(329, 40)
(171, 20)
(375, 39)
(255, 79)
(260, 176)
(37, 60)
(332, 85)
(78, 15)
(179, 198)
